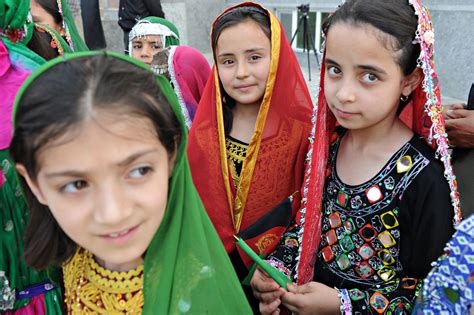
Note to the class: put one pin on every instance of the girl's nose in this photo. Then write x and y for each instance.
(242, 70)
(346, 92)
(111, 206)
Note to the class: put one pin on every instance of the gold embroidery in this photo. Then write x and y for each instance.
(92, 289)
(265, 241)
(235, 156)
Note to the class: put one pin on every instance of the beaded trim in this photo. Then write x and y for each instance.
(65, 26)
(176, 87)
(425, 37)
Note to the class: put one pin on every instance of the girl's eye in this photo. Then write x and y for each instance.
(137, 46)
(334, 70)
(156, 47)
(227, 62)
(369, 78)
(254, 58)
(139, 172)
(75, 186)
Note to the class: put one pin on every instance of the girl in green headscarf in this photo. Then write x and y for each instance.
(57, 16)
(111, 195)
(149, 36)
(22, 289)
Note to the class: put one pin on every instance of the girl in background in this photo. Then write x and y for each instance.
(111, 199)
(149, 36)
(56, 15)
(385, 210)
(250, 133)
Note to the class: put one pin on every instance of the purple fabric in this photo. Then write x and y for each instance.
(191, 72)
(11, 78)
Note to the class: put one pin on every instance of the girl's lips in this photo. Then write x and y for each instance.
(343, 114)
(244, 87)
(121, 237)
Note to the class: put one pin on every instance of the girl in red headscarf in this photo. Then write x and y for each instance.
(250, 134)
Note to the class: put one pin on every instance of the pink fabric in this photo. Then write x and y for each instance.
(191, 71)
(35, 307)
(11, 78)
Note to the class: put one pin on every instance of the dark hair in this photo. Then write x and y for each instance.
(40, 43)
(51, 6)
(394, 17)
(58, 102)
(232, 18)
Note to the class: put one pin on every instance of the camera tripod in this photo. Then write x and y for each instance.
(307, 39)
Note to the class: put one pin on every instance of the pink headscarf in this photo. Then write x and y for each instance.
(11, 78)
(189, 71)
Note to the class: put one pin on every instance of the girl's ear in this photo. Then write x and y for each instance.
(411, 81)
(20, 168)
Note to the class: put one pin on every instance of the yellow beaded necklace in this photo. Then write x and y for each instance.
(92, 289)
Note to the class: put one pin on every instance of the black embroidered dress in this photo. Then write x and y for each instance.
(379, 238)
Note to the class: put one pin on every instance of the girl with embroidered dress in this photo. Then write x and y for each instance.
(381, 209)
(251, 130)
(110, 191)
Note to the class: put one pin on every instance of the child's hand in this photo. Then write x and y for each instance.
(267, 291)
(311, 298)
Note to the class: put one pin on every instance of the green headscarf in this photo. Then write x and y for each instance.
(16, 30)
(72, 35)
(187, 270)
(63, 46)
(153, 25)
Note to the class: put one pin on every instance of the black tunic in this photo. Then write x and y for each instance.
(379, 238)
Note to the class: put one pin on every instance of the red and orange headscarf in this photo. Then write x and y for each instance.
(274, 166)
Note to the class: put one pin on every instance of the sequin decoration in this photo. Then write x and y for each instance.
(365, 251)
(343, 262)
(404, 164)
(335, 220)
(342, 199)
(374, 194)
(378, 302)
(356, 295)
(364, 270)
(389, 220)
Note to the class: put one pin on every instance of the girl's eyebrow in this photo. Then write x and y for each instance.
(124, 162)
(372, 68)
(363, 67)
(224, 54)
(330, 61)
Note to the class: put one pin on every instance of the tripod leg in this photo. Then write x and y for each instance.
(314, 49)
(297, 30)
